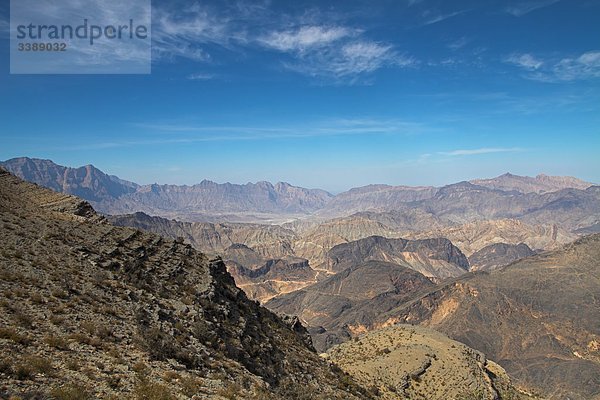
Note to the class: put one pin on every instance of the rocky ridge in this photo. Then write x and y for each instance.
(93, 310)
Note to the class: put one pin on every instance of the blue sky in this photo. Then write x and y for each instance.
(329, 94)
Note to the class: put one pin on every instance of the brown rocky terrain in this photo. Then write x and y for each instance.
(214, 238)
(316, 242)
(498, 255)
(538, 318)
(90, 310)
(413, 362)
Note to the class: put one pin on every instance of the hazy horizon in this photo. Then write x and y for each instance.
(298, 185)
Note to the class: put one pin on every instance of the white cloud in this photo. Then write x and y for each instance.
(187, 33)
(305, 38)
(582, 67)
(339, 53)
(483, 150)
(585, 66)
(526, 61)
(525, 7)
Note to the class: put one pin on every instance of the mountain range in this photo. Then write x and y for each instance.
(538, 200)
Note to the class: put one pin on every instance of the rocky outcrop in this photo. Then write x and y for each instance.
(90, 310)
(412, 362)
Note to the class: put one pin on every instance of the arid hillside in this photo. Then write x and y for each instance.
(90, 310)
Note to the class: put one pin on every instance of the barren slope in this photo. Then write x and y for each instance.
(92, 308)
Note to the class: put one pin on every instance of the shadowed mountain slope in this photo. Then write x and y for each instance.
(498, 255)
(89, 309)
(342, 305)
(434, 258)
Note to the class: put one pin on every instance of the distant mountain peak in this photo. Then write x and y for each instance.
(542, 183)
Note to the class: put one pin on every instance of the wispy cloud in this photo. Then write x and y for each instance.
(174, 133)
(335, 52)
(332, 127)
(306, 38)
(442, 17)
(458, 43)
(187, 32)
(483, 150)
(582, 67)
(525, 7)
(201, 76)
(585, 66)
(526, 61)
(350, 62)
(306, 44)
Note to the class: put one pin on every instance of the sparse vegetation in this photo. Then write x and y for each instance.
(71, 392)
(148, 390)
(12, 334)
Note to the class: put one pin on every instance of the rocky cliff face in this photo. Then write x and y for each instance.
(93, 310)
(270, 241)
